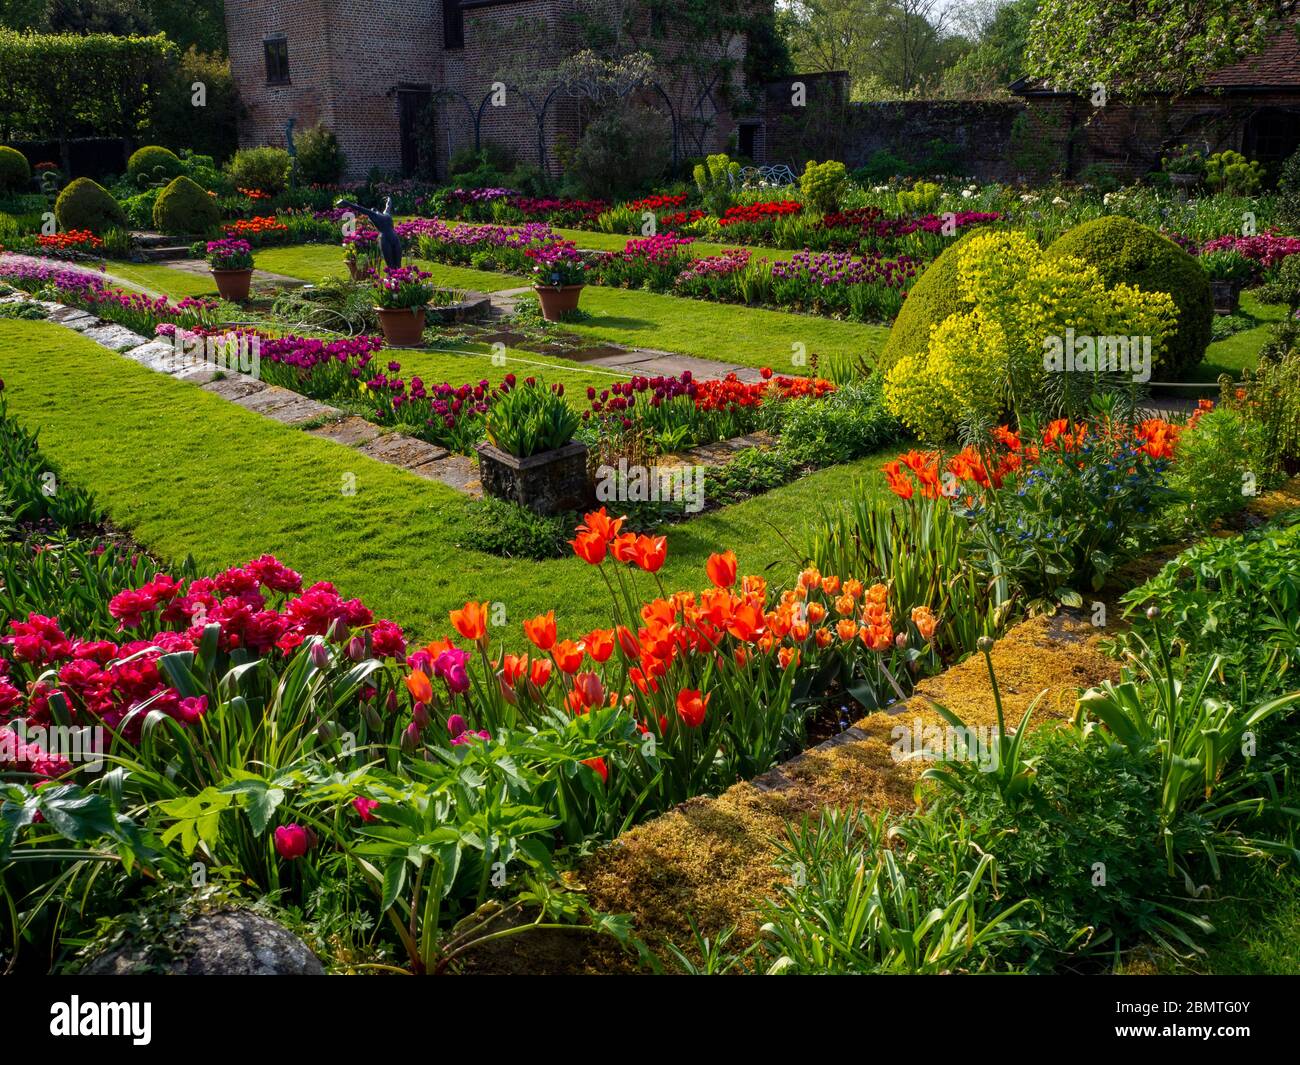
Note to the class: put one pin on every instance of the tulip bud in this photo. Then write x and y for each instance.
(338, 631)
(326, 731)
(1153, 613)
(900, 641)
(320, 655)
(357, 649)
(420, 716)
(507, 691)
(390, 703)
(372, 718)
(410, 738)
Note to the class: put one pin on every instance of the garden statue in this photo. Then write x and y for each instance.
(389, 242)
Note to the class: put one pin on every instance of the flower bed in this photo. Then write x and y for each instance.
(78, 288)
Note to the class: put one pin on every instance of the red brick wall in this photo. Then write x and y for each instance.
(346, 58)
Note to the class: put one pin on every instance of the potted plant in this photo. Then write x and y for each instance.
(361, 253)
(1228, 270)
(530, 456)
(231, 263)
(560, 275)
(1185, 167)
(401, 296)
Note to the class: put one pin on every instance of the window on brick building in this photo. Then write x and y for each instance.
(276, 50)
(453, 25)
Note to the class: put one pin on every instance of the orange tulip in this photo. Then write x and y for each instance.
(597, 765)
(629, 644)
(853, 587)
(787, 657)
(722, 569)
(513, 668)
(590, 547)
(539, 672)
(823, 637)
(844, 605)
(746, 622)
(471, 620)
(847, 628)
(418, 685)
(568, 655)
(601, 524)
(816, 613)
(624, 547)
(651, 552)
(924, 621)
(691, 707)
(599, 643)
(541, 630)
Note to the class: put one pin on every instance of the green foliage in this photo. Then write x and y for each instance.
(33, 487)
(153, 165)
(1233, 173)
(1184, 160)
(921, 198)
(319, 161)
(1131, 50)
(172, 122)
(1125, 252)
(265, 169)
(65, 85)
(716, 179)
(15, 171)
(849, 423)
(996, 358)
(852, 905)
(1270, 404)
(139, 208)
(1284, 286)
(183, 207)
(85, 204)
(625, 149)
(501, 527)
(1288, 193)
(822, 185)
(530, 419)
(1217, 458)
(1227, 264)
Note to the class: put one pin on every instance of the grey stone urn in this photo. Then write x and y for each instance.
(549, 483)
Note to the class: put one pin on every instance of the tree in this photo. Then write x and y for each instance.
(188, 23)
(1148, 45)
(1001, 34)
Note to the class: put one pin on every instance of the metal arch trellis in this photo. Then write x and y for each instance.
(576, 88)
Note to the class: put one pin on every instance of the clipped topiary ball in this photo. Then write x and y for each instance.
(183, 207)
(1126, 251)
(153, 163)
(929, 301)
(15, 172)
(85, 204)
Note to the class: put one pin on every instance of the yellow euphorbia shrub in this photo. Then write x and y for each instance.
(987, 361)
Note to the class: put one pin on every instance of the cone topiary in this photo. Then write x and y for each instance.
(15, 172)
(151, 163)
(1126, 251)
(85, 204)
(183, 207)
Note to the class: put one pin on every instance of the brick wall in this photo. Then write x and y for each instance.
(347, 59)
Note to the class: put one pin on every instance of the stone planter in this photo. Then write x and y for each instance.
(1183, 183)
(403, 327)
(233, 285)
(1227, 296)
(557, 300)
(549, 483)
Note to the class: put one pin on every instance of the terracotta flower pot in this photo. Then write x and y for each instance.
(557, 300)
(352, 268)
(233, 285)
(402, 326)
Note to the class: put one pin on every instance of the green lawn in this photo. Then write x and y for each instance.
(747, 336)
(700, 248)
(164, 280)
(1239, 351)
(190, 473)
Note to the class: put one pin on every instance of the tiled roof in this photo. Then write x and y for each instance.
(1278, 65)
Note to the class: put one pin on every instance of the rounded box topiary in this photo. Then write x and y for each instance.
(86, 204)
(152, 162)
(183, 207)
(929, 301)
(1124, 251)
(15, 171)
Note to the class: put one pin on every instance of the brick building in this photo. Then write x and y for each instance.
(405, 83)
(1252, 107)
